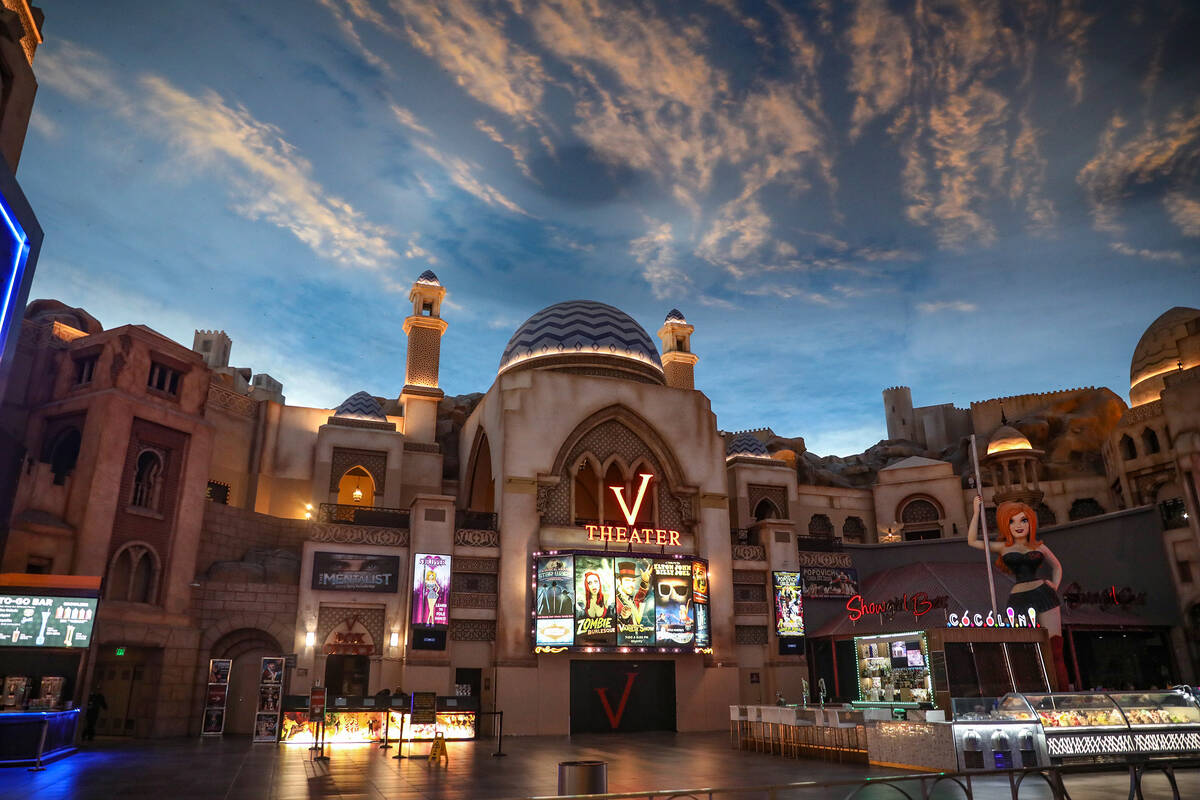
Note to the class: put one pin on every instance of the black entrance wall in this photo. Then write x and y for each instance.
(608, 696)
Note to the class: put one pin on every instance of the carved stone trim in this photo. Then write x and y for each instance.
(473, 630)
(469, 537)
(357, 534)
(231, 401)
(422, 447)
(472, 600)
(749, 552)
(1142, 413)
(371, 618)
(483, 566)
(814, 558)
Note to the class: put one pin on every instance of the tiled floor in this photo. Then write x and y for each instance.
(233, 769)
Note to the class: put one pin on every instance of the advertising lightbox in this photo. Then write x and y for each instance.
(431, 591)
(789, 604)
(630, 601)
(355, 572)
(33, 621)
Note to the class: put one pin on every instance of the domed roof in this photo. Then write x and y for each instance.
(361, 405)
(746, 444)
(428, 277)
(675, 315)
(1157, 352)
(581, 328)
(1007, 438)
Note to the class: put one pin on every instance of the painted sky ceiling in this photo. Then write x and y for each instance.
(971, 198)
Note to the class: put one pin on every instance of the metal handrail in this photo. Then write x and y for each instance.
(377, 516)
(1052, 776)
(476, 520)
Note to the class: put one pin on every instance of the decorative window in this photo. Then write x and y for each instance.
(854, 529)
(920, 511)
(133, 574)
(1085, 507)
(164, 379)
(766, 510)
(1128, 449)
(64, 455)
(147, 480)
(218, 492)
(1045, 516)
(821, 526)
(85, 368)
(1150, 441)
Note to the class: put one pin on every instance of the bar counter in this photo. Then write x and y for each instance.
(21, 735)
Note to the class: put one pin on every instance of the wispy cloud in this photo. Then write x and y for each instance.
(265, 175)
(1184, 212)
(409, 120)
(946, 305)
(462, 174)
(1149, 255)
(346, 25)
(655, 252)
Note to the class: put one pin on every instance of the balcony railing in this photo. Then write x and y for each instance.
(818, 543)
(376, 516)
(475, 520)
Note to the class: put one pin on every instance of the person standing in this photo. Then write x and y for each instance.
(95, 704)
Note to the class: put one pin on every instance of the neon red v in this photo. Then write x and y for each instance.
(615, 719)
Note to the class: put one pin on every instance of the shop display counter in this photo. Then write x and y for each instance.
(893, 669)
(991, 733)
(363, 720)
(21, 735)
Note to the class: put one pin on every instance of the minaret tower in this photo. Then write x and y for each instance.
(424, 329)
(678, 360)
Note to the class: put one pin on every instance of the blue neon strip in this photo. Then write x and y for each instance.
(28, 715)
(21, 246)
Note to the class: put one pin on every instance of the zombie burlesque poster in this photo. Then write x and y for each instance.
(789, 604)
(700, 603)
(431, 590)
(635, 601)
(674, 623)
(595, 610)
(556, 601)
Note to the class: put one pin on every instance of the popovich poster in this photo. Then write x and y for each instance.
(431, 590)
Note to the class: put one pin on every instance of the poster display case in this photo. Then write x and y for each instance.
(893, 669)
(362, 720)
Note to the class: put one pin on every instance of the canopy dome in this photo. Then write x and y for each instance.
(1157, 352)
(1007, 438)
(361, 405)
(583, 336)
(746, 444)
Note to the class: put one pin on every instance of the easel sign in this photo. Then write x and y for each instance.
(438, 748)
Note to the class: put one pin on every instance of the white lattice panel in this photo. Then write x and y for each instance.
(1167, 742)
(1096, 745)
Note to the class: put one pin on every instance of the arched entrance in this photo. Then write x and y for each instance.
(246, 646)
(356, 488)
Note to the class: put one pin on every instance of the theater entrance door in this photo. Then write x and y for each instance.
(611, 696)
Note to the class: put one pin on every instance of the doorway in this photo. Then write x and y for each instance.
(622, 696)
(242, 699)
(129, 686)
(347, 675)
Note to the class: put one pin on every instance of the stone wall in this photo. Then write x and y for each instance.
(229, 532)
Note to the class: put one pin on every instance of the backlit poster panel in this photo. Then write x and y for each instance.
(595, 610)
(829, 581)
(35, 621)
(556, 601)
(674, 623)
(700, 603)
(789, 604)
(431, 590)
(635, 601)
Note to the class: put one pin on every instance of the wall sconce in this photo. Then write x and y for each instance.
(310, 639)
(308, 510)
(395, 640)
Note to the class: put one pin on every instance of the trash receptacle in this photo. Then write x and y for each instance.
(582, 777)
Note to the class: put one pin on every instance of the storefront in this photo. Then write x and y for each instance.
(45, 640)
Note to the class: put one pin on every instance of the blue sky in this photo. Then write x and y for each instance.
(970, 198)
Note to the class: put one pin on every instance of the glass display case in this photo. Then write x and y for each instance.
(893, 669)
(1166, 710)
(997, 733)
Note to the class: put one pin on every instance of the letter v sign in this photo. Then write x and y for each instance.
(615, 719)
(619, 491)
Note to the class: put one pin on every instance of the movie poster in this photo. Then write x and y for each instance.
(789, 604)
(675, 623)
(635, 601)
(700, 603)
(556, 601)
(214, 722)
(431, 590)
(216, 695)
(829, 581)
(595, 612)
(268, 698)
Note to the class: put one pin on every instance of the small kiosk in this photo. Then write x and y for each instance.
(45, 640)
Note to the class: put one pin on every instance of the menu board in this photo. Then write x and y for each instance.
(431, 591)
(424, 708)
(35, 621)
(601, 601)
(789, 604)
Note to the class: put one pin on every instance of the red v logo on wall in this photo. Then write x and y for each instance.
(615, 719)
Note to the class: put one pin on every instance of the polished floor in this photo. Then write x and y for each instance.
(233, 769)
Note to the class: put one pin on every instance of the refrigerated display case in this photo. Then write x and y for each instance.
(991, 733)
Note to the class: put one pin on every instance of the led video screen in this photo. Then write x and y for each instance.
(605, 601)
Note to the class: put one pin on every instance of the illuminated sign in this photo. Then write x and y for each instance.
(600, 602)
(829, 581)
(919, 604)
(14, 257)
(789, 604)
(431, 591)
(1008, 619)
(1074, 595)
(355, 572)
(33, 621)
(620, 534)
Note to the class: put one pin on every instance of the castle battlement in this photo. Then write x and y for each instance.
(1034, 396)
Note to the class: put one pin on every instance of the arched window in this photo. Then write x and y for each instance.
(64, 455)
(587, 493)
(611, 510)
(1045, 516)
(1150, 441)
(820, 526)
(356, 488)
(645, 512)
(854, 529)
(482, 496)
(133, 574)
(1128, 449)
(147, 480)
(920, 511)
(766, 509)
(921, 519)
(1085, 507)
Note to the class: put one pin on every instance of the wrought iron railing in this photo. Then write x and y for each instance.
(376, 516)
(475, 520)
(820, 543)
